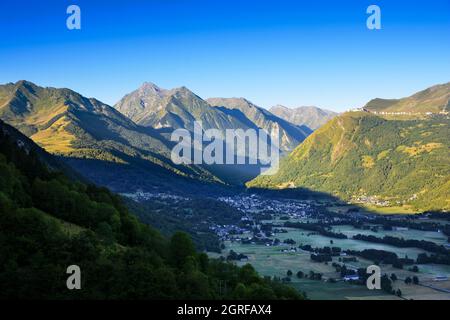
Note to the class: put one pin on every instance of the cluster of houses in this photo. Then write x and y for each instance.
(372, 200)
(399, 113)
(252, 207)
(140, 196)
(256, 204)
(228, 232)
(245, 235)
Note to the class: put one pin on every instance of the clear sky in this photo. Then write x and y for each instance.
(272, 52)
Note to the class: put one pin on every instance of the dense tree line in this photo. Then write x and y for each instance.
(404, 243)
(321, 257)
(184, 215)
(234, 256)
(332, 251)
(49, 222)
(411, 223)
(423, 258)
(378, 256)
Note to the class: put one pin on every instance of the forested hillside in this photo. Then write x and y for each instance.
(367, 159)
(49, 222)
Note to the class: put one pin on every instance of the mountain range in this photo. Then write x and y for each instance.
(100, 142)
(128, 145)
(163, 109)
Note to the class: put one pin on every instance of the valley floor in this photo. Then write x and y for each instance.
(274, 258)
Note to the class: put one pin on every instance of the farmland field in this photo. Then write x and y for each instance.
(272, 261)
(319, 290)
(316, 240)
(433, 236)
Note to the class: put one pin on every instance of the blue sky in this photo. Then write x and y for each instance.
(271, 52)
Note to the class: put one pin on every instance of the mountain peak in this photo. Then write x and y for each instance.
(181, 90)
(24, 82)
(20, 82)
(149, 85)
(149, 89)
(27, 85)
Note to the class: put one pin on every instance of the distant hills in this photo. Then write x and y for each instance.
(365, 158)
(311, 117)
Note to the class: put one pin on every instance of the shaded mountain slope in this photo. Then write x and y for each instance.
(290, 135)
